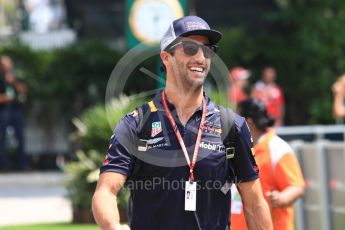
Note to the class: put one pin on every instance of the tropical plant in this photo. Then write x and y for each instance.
(94, 128)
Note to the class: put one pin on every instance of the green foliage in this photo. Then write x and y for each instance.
(236, 46)
(80, 190)
(94, 128)
(316, 39)
(305, 43)
(79, 74)
(63, 82)
(95, 125)
(220, 98)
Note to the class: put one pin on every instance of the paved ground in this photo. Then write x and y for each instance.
(35, 197)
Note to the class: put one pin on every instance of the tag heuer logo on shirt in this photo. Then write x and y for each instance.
(156, 128)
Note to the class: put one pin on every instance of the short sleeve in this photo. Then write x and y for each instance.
(120, 156)
(243, 163)
(281, 99)
(288, 172)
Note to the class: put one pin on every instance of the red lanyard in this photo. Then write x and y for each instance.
(179, 137)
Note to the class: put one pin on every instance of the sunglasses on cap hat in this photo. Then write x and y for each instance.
(191, 48)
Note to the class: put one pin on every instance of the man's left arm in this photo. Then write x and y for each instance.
(246, 172)
(255, 207)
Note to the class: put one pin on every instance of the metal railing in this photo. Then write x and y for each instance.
(322, 161)
(319, 131)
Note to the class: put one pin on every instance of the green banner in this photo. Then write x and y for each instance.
(147, 20)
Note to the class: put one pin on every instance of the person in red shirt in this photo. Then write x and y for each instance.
(271, 94)
(238, 80)
(281, 178)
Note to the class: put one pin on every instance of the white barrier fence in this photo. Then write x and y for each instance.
(323, 164)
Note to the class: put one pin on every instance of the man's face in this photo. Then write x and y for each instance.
(190, 70)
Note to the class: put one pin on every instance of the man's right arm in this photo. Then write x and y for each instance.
(116, 167)
(255, 207)
(104, 201)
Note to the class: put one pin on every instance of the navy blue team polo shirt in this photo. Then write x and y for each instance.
(158, 187)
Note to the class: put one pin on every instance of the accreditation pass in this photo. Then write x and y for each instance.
(190, 196)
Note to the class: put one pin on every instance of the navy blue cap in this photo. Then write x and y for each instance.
(186, 26)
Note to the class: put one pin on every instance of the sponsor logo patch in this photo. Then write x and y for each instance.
(212, 147)
(156, 128)
(212, 129)
(154, 141)
(191, 25)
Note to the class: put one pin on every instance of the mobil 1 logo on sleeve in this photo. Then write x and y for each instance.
(212, 146)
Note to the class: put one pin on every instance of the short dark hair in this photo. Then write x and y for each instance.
(256, 110)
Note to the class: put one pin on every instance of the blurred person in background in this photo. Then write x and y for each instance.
(280, 173)
(338, 89)
(238, 81)
(4, 100)
(271, 94)
(11, 113)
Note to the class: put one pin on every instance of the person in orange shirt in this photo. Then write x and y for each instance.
(238, 81)
(280, 173)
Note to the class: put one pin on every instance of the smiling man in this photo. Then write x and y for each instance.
(173, 146)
